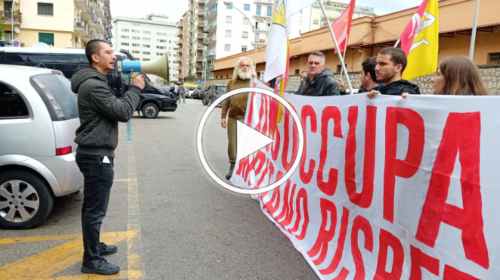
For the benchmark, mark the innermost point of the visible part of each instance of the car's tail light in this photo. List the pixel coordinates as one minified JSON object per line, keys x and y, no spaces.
{"x":215,"y":93}
{"x":55,"y":72}
{"x":63,"y":151}
{"x":51,"y":99}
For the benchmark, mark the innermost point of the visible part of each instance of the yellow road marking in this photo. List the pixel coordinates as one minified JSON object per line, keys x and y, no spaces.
{"x":125,"y":180}
{"x":5,"y":241}
{"x":60,"y":258}
{"x":128,"y":274}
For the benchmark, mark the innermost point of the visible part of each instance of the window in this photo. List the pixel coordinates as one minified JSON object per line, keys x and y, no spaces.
{"x":125,"y":37}
{"x":146,"y":46}
{"x":145,"y":59}
{"x":230,"y":6}
{"x":126,"y":30}
{"x":229,"y":19}
{"x":228,"y":33}
{"x":161,"y":34}
{"x":136,"y":45}
{"x":146,"y":39}
{"x":245,"y":34}
{"x":52,"y":90}
{"x":316,"y":21}
{"x":146,"y":52}
{"x":246,"y":7}
{"x":125,"y":44}
{"x":161,"y":40}
{"x":161,"y":47}
{"x":146,"y":32}
{"x":259,"y":7}
{"x":46,"y":9}
{"x":136,"y":31}
{"x":494,"y":58}
{"x":297,"y":71}
{"x":136,"y":38}
{"x":11,"y":103}
{"x":136,"y":24}
{"x":47,"y":38}
{"x":269,"y":11}
{"x":244,"y":48}
{"x":159,"y":54}
{"x":245,"y":21}
{"x":227,"y":47}
{"x":136,"y":52}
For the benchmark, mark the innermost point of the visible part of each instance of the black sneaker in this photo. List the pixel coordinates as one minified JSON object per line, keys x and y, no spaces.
{"x":105,"y":250}
{"x":99,"y":266}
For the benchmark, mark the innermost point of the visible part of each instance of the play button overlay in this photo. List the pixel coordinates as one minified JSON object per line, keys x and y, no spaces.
{"x":249,"y":141}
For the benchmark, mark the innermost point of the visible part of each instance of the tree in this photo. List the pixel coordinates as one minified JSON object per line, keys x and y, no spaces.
{"x":2,"y":27}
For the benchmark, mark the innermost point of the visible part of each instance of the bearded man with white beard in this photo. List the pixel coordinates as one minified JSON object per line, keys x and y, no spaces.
{"x":234,"y":107}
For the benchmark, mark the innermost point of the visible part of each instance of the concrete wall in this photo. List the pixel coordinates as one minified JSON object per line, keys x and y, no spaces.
{"x":62,"y":20}
{"x":490,"y":74}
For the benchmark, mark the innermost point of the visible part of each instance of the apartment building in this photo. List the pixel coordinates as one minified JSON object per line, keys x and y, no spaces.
{"x":183,"y":49}
{"x":57,"y":23}
{"x":148,"y":39}
{"x":312,"y":18}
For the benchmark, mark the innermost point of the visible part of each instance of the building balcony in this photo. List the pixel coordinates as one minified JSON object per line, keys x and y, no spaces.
{"x":264,"y":2}
{"x":82,"y":4}
{"x":179,"y":43}
{"x":200,"y":48}
{"x":201,"y":23}
{"x":99,"y":10}
{"x":7,"y":17}
{"x":199,"y":59}
{"x":199,"y":70}
{"x":200,"y":12}
{"x":210,"y":67}
{"x":210,"y":15}
{"x":262,"y":29}
{"x":262,"y":16}
{"x":99,"y":26}
{"x":209,"y":28}
{"x":206,"y":42}
{"x":210,"y":53}
{"x":81,"y":28}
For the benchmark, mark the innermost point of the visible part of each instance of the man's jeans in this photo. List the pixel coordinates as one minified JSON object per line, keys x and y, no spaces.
{"x":98,"y":178}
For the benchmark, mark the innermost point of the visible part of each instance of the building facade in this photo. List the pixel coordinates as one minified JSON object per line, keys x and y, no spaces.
{"x":148,"y":39}
{"x":312,"y":18}
{"x":57,"y":23}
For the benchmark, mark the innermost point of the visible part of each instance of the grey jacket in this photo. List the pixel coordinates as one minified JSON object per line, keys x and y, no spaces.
{"x":322,"y":85}
{"x":100,"y":111}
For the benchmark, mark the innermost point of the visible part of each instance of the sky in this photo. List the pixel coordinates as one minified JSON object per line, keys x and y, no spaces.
{"x":176,"y":8}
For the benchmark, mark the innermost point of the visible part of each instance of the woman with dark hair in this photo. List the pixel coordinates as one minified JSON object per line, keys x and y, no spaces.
{"x":457,"y":75}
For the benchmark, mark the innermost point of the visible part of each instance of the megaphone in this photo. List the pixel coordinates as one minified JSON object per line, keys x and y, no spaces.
{"x":158,"y":67}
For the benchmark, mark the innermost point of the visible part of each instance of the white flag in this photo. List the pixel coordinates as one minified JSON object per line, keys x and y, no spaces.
{"x":277,"y":45}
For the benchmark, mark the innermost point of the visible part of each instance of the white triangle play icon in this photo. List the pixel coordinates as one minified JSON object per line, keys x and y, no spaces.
{"x":249,"y":140}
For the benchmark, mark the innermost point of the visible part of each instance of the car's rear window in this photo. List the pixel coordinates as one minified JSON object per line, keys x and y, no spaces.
{"x":223,"y":89}
{"x":55,"y":91}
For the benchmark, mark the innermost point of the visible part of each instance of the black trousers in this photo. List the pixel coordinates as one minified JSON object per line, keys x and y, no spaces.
{"x":98,"y":178}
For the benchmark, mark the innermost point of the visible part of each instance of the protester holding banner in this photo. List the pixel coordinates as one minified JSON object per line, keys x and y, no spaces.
{"x":235,"y":106}
{"x":391,"y":63}
{"x":458,"y":76}
{"x":319,"y":80}
{"x":367,"y":78}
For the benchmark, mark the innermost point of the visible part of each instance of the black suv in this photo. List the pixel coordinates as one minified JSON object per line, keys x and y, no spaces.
{"x":154,"y":98}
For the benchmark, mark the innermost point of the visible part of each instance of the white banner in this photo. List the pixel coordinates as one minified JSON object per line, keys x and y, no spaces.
{"x":387,"y":188}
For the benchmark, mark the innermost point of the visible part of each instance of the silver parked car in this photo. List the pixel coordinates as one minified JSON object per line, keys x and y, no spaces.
{"x":38,"y":120}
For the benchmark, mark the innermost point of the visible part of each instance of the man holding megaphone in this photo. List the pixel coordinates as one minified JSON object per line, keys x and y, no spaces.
{"x":97,"y":138}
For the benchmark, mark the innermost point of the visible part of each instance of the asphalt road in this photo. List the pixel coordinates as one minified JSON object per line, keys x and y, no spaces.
{"x":170,"y":219}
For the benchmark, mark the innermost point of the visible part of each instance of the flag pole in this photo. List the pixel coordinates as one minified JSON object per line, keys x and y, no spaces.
{"x":336,"y":43}
{"x":474,"y":30}
{"x":397,"y":43}
{"x":345,"y":50}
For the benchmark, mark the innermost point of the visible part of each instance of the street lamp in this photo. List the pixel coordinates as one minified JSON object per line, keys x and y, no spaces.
{"x":253,"y":30}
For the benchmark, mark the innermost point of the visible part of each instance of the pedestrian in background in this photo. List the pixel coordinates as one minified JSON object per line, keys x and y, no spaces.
{"x":97,"y":138}
{"x":182,"y":93}
{"x":234,"y":107}
{"x":368,"y":78}
{"x":319,"y":80}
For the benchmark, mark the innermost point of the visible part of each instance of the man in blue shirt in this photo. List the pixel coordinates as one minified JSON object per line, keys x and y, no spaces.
{"x":368,"y":77}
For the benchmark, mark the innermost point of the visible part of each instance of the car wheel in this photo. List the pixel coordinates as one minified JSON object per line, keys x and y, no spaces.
{"x":25,"y":200}
{"x":150,"y":111}
{"x":203,"y":101}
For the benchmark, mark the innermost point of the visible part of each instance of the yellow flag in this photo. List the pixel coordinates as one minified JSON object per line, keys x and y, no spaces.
{"x":423,"y":50}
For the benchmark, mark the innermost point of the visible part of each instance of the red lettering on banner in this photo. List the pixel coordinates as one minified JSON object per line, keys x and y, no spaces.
{"x":461,"y":133}
{"x":275,"y":198}
{"x":360,"y":223}
{"x":451,"y":273}
{"x":277,"y":143}
{"x":420,"y":259}
{"x":287,"y":210}
{"x":250,"y":110}
{"x":302,"y":195}
{"x":329,"y":112}
{"x":263,"y":176}
{"x":363,"y":199}
{"x":325,"y":235}
{"x":387,"y":239}
{"x":288,"y":164}
{"x":243,"y":167}
{"x":401,"y":168}
{"x":307,"y":111}
{"x":340,"y":245}
{"x":342,"y":275}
